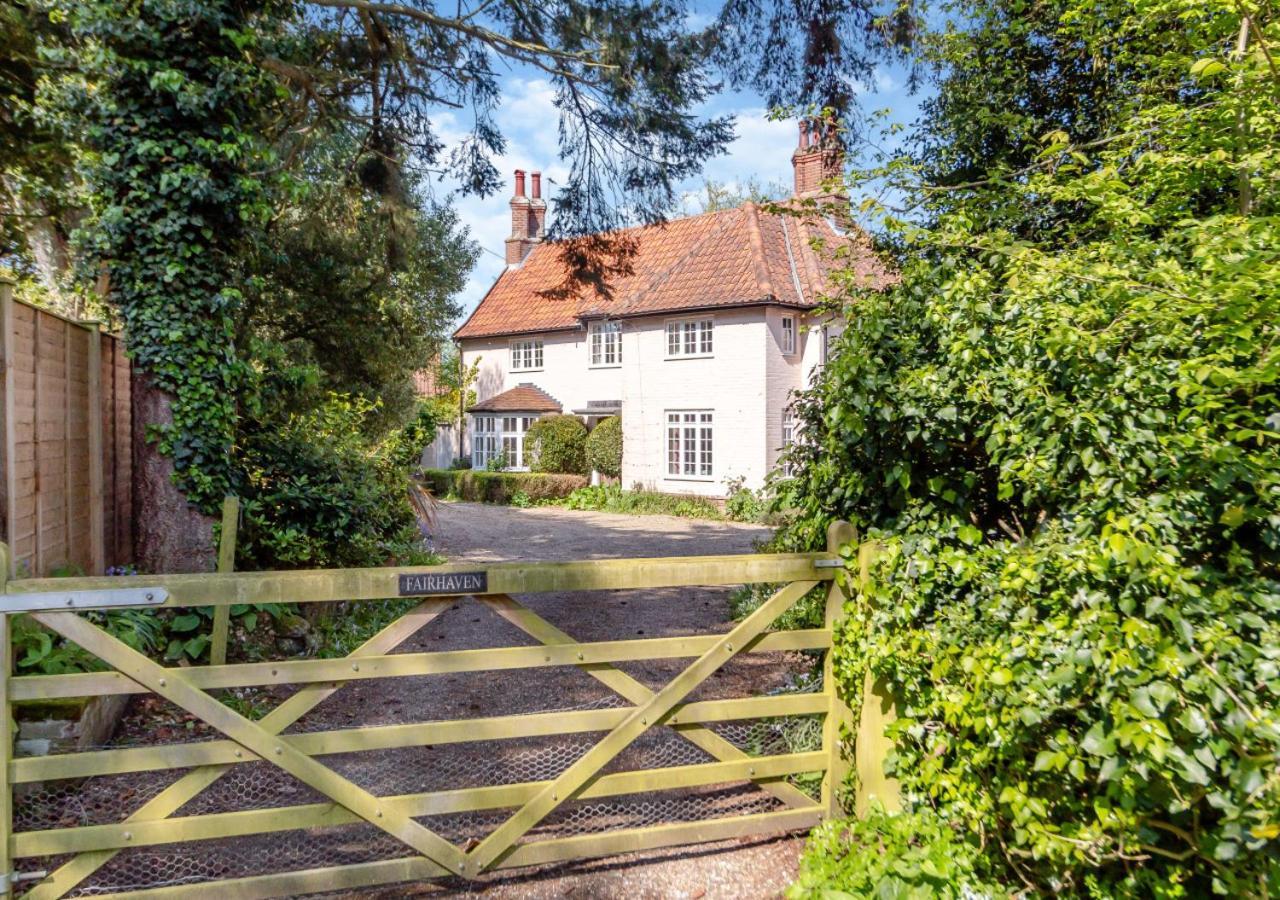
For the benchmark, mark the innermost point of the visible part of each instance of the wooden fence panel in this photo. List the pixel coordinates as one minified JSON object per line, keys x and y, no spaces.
{"x":67,"y":456}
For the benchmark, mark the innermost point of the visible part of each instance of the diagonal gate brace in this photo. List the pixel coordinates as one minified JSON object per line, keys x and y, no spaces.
{"x":178,"y":794}
{"x":572,"y":779}
{"x":635,"y":692}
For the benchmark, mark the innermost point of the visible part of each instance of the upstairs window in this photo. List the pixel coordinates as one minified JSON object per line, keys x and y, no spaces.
{"x":788,"y":335}
{"x":689,"y":337}
{"x":606,"y":343}
{"x":690,"y":443}
{"x":526,"y":355}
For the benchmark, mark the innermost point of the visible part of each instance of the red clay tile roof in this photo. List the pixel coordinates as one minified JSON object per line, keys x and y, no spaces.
{"x":733,"y":257}
{"x":521,"y":398}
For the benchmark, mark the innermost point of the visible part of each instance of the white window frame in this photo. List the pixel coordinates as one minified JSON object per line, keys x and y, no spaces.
{"x":484,"y":440}
{"x":690,"y":444}
{"x":496,"y":433}
{"x":788,"y":440}
{"x":787,"y":335}
{"x":527,"y":355}
{"x":690,"y":338}
{"x":604,"y":344}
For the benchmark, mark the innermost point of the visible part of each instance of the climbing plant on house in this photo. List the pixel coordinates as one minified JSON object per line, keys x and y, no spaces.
{"x":1063,"y":425}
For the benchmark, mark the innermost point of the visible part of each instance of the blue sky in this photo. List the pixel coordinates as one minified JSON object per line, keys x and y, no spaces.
{"x":761,"y":151}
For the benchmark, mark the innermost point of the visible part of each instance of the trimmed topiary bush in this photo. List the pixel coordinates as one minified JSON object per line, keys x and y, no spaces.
{"x":604,"y":447}
{"x":557,"y":444}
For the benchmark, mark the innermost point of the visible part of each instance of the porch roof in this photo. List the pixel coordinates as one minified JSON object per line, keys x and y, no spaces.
{"x":524,"y":397}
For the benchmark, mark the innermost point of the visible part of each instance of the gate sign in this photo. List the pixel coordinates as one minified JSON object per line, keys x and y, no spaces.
{"x":429,"y":583}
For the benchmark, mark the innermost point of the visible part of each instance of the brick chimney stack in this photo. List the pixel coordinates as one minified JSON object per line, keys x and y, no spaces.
{"x":817,"y":159}
{"x":537,"y":208}
{"x":527,"y":217}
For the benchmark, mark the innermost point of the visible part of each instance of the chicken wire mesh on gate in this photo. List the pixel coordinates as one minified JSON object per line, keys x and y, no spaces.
{"x":399,"y":771}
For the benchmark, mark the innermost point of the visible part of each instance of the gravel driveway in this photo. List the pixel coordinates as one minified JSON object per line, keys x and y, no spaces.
{"x":747,"y":868}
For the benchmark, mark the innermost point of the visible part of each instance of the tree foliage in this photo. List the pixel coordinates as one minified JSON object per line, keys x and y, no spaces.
{"x":1063,"y":424}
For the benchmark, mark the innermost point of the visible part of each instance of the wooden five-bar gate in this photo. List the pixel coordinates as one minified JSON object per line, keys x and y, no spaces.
{"x":253,"y":842}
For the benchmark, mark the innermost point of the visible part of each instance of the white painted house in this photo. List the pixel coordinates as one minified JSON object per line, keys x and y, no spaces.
{"x":699,"y":349}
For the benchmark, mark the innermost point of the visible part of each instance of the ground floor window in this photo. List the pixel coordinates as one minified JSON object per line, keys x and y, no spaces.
{"x":788,"y":438}
{"x":690,"y":443}
{"x":499,"y":439}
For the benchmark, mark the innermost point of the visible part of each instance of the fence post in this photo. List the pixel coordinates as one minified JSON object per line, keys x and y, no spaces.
{"x":96,"y":421}
{"x":871,"y":745}
{"x":226,"y":563}
{"x":6,"y":737}
{"x":839,"y":720}
{"x":10,"y":439}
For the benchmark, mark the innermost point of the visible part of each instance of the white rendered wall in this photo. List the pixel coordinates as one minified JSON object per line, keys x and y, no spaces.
{"x":730,"y":383}
{"x":746,"y":384}
{"x":566,"y":373}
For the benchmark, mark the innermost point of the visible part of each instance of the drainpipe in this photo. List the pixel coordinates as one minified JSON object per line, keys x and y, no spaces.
{"x":462,"y":395}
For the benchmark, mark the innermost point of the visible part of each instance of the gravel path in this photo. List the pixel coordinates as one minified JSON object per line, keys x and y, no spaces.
{"x":748,"y":868}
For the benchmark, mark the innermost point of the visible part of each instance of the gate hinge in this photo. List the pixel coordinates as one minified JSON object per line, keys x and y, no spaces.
{"x":828,"y":563}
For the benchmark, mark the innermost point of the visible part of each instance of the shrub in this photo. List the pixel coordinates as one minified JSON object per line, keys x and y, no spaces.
{"x":460,"y":462}
{"x":604,"y":447}
{"x":320,"y":494}
{"x":517,"y":488}
{"x":744,"y":504}
{"x":906,"y":855}
{"x":557,"y":444}
{"x":403,"y":447}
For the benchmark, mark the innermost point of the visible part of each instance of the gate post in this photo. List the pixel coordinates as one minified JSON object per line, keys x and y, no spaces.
{"x":871,"y":745}
{"x":6,"y":735}
{"x":839,"y":719}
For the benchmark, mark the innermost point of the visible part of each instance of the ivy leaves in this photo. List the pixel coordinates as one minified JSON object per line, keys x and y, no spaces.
{"x":167,"y":100}
{"x":1062,"y":425}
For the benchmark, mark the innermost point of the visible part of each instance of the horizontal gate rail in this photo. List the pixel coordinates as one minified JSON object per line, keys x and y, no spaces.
{"x":389,"y":737}
{"x":325,"y":585}
{"x":317,"y":815}
{"x":447,"y":662}
{"x":521,"y":839}
{"x":390,"y":871}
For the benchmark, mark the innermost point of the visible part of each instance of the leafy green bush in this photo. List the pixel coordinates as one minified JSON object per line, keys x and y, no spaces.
{"x":604,"y":447}
{"x":744,"y":504}
{"x":403,"y":447}
{"x":501,"y":487}
{"x":1067,"y":440}
{"x":907,"y":855}
{"x":320,"y":494}
{"x":611,"y":498}
{"x":557,"y":444}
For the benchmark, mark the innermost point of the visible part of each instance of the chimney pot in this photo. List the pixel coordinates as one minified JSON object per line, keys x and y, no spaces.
{"x":537,"y":184}
{"x":519,"y":182}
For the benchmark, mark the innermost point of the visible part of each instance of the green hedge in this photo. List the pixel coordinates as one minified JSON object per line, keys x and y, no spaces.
{"x":557,"y":444}
{"x":501,"y":487}
{"x":604,"y":447}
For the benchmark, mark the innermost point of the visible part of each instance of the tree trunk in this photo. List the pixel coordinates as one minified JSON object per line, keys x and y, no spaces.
{"x":170,"y":535}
